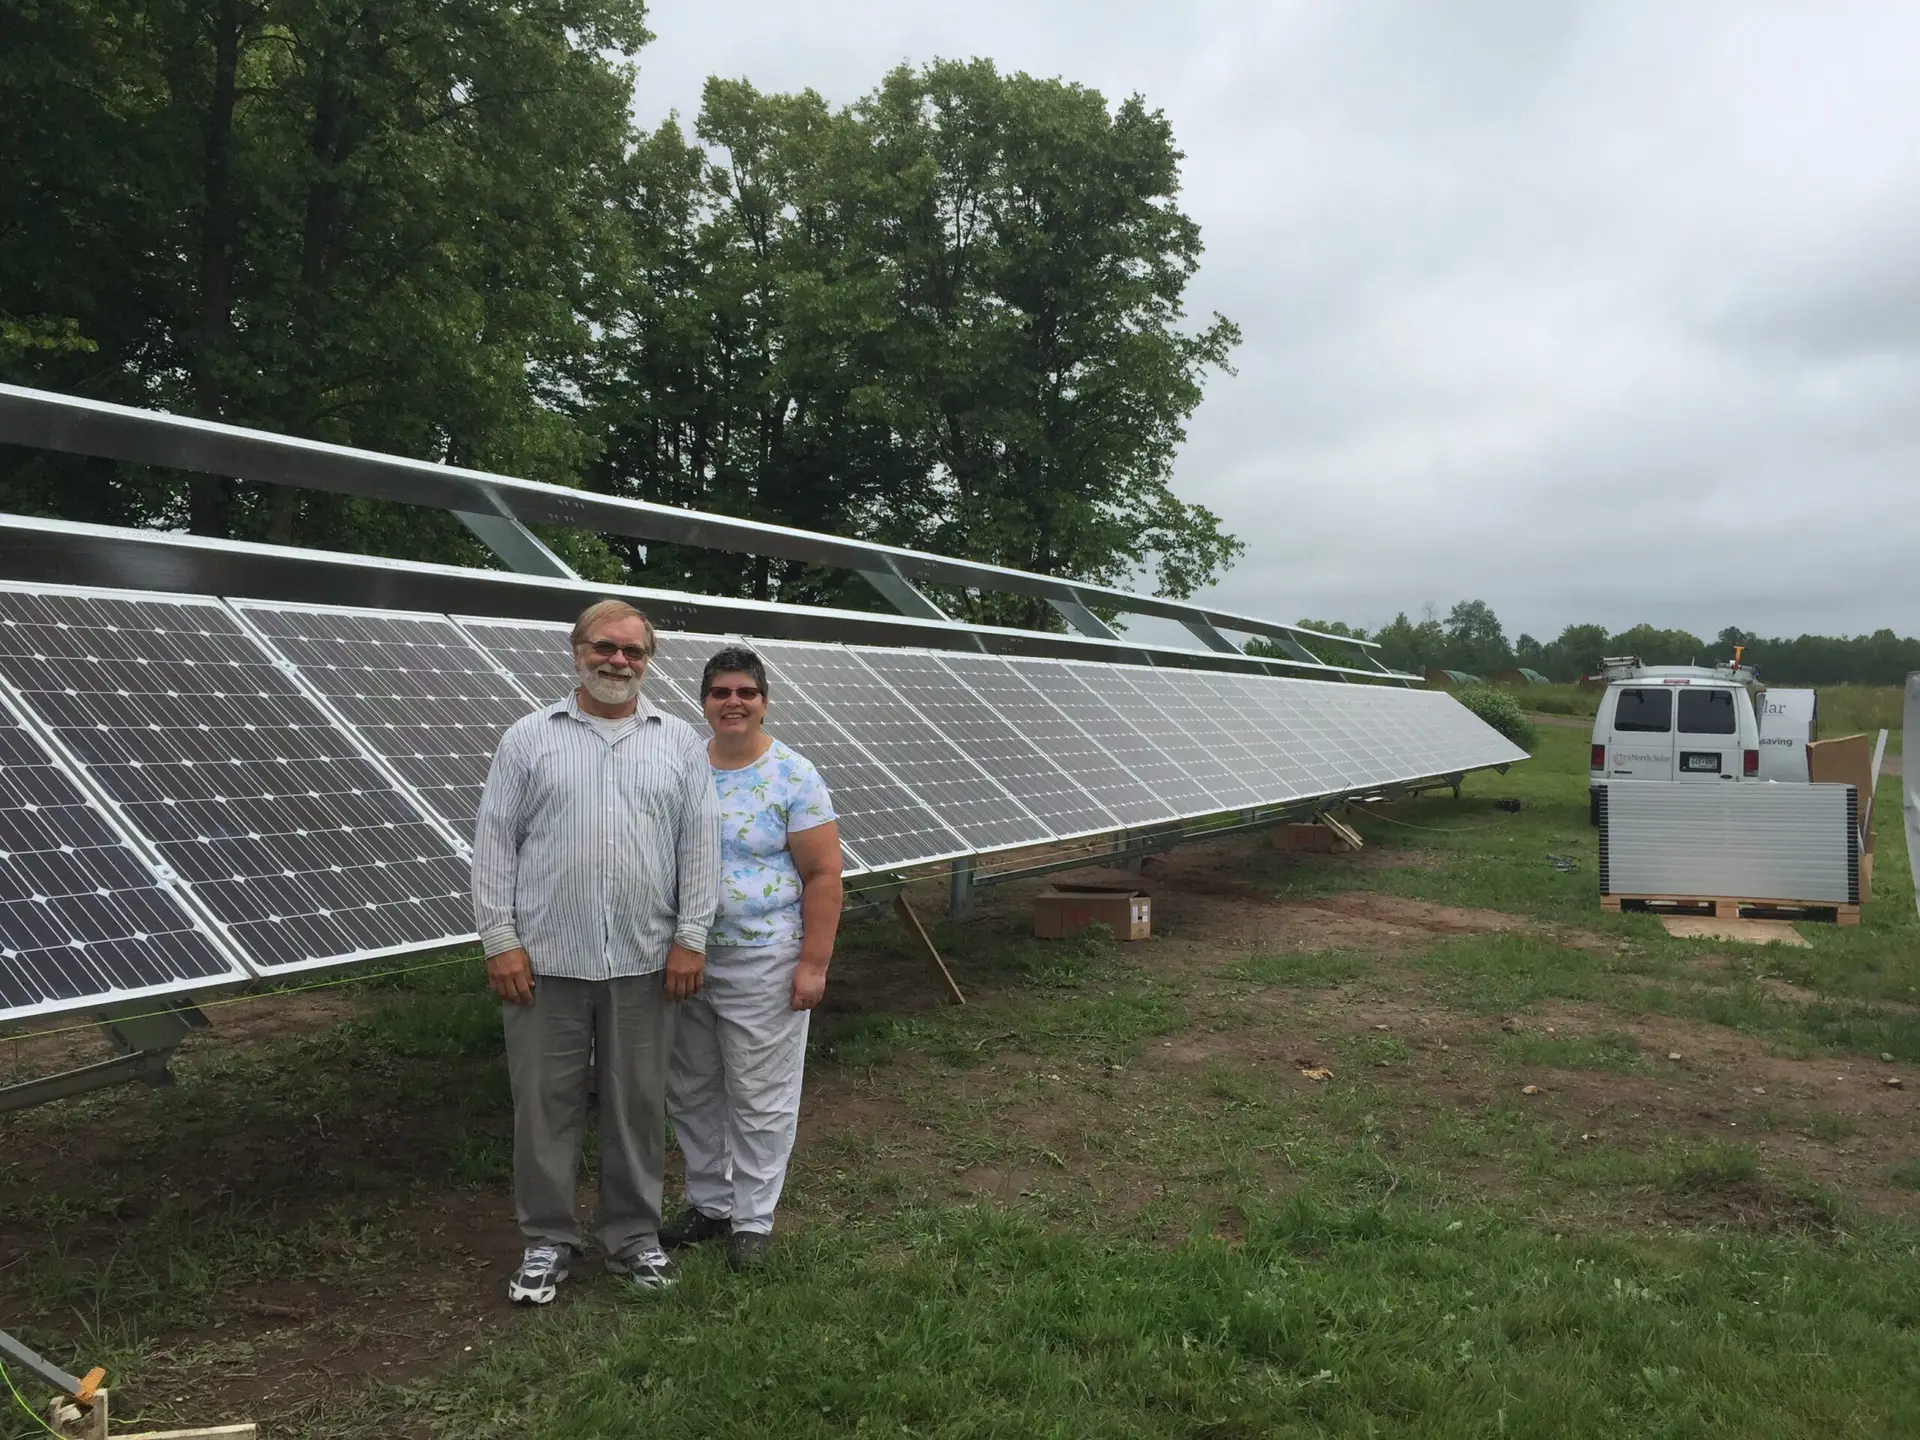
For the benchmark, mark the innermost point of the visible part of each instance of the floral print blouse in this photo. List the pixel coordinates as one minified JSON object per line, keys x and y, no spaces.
{"x":760,"y":805}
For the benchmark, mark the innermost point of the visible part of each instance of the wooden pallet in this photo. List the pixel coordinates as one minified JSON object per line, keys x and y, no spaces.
{"x":1727,"y":907}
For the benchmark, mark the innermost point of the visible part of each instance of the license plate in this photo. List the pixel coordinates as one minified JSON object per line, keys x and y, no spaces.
{"x":1700,"y":762}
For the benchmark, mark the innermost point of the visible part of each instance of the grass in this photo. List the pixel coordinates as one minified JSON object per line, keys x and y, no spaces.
{"x":1098,"y":1201}
{"x":1319,"y":1320}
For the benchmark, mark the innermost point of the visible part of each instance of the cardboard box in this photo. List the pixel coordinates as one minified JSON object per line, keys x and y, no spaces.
{"x":1847,"y":760}
{"x":1063,"y":910}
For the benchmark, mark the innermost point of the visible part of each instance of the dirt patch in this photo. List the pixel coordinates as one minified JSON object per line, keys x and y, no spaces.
{"x":1744,"y":1205}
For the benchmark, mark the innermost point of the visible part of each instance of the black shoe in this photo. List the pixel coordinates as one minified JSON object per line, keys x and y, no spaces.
{"x":746,"y":1250}
{"x":694,"y":1227}
{"x":542,"y":1269}
{"x":651,"y":1268}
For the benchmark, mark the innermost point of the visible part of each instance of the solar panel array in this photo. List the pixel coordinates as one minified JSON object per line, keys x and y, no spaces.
{"x":195,"y":791}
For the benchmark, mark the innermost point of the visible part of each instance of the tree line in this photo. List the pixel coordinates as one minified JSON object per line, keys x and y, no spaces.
{"x":948,"y":315}
{"x":1470,"y":638}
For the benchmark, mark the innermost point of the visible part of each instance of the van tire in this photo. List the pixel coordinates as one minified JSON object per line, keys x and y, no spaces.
{"x":1593,"y":807}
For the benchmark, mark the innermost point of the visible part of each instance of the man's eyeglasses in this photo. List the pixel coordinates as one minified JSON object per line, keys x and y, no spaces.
{"x":606,"y":650}
{"x":727,"y":692}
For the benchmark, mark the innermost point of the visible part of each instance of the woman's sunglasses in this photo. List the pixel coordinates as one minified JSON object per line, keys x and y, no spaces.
{"x":727,"y":692}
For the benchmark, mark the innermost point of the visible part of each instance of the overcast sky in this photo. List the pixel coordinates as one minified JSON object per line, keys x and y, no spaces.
{"x":1596,"y":312}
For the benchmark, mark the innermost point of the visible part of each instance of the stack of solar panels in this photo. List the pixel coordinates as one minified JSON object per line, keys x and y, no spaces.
{"x":196,"y":791}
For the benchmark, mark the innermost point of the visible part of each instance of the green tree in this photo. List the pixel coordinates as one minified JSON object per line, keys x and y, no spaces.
{"x":1405,"y":645}
{"x":383,"y":223}
{"x":1576,"y":652}
{"x":1660,"y":647}
{"x":1476,"y":641}
{"x":948,"y":316}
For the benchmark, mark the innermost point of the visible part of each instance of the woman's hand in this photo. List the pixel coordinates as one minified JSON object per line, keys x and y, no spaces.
{"x":809,"y":984}
{"x":685,"y":971}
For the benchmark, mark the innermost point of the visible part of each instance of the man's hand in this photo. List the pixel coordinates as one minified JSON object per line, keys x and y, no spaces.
{"x":510,"y":976}
{"x":809,"y":984}
{"x":685,"y":971}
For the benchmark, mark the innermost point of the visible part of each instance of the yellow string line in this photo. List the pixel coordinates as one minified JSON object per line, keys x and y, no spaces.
{"x":32,"y":1413}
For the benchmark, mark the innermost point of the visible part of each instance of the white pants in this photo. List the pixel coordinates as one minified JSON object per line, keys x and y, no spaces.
{"x":733,"y":1082}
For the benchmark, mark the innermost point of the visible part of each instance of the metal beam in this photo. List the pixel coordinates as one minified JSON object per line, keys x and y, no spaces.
{"x":145,"y":1038}
{"x":525,"y":552}
{"x":1082,"y":619}
{"x":57,"y":552}
{"x":1210,"y":635}
{"x":147,"y":437}
{"x":899,"y":592}
{"x":47,"y":1371}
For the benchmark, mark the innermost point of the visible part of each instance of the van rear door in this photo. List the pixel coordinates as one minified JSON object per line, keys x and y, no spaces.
{"x":1707,"y":746}
{"x":1642,"y":747}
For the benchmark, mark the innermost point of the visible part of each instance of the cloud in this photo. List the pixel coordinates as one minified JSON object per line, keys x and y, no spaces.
{"x":1601,"y":311}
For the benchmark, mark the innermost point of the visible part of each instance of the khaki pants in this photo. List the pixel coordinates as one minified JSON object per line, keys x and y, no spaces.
{"x":624,"y":1029}
{"x":733,"y":1088}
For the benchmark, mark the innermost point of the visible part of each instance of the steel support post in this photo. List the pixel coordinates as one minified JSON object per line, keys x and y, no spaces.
{"x":1210,"y":636}
{"x":1083,"y":619}
{"x":145,"y":1038}
{"x":960,"y":889}
{"x":523,"y":551}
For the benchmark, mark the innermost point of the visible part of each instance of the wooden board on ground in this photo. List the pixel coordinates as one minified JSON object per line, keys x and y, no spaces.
{"x":1730,"y":906}
{"x":1750,"y":932}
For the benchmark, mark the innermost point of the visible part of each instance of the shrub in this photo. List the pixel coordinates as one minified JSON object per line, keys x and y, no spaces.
{"x":1554,"y":705}
{"x":1500,"y":710}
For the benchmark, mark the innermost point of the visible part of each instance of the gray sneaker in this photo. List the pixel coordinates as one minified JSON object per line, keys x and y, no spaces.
{"x":542,"y":1269}
{"x":746,"y":1250}
{"x":649,"y":1267}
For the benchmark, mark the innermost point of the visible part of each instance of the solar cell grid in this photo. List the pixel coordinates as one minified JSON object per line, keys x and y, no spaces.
{"x":1285,"y":778}
{"x":302,"y":849}
{"x":82,"y":919}
{"x":1189,"y":732}
{"x":966,"y":718}
{"x":1028,"y":709}
{"x":1080,"y":692}
{"x":957,"y":791}
{"x":1300,"y":732}
{"x":416,"y":691}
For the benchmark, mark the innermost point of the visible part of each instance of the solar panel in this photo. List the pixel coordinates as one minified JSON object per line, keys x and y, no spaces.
{"x":965,"y":717}
{"x":883,"y":825}
{"x":1079,"y":692}
{"x":537,"y":654}
{"x":414,"y":689}
{"x":1028,"y":709}
{"x":1227,"y":697}
{"x":301,"y":848}
{"x":83,"y":919}
{"x":954,"y":789}
{"x":1188,"y":731}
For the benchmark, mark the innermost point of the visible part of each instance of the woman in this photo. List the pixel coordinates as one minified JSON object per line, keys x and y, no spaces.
{"x":733,"y":1084}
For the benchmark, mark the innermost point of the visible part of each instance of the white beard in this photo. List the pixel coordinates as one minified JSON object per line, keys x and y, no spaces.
{"x":607,"y":687}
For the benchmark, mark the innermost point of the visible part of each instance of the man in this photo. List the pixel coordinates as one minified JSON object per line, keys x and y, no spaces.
{"x":595,"y":872}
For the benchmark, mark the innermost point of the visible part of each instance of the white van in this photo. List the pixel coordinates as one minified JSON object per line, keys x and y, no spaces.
{"x":1674,"y":723}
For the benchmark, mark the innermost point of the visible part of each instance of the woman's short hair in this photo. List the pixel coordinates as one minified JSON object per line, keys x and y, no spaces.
{"x":735,"y":659}
{"x":604,"y":610}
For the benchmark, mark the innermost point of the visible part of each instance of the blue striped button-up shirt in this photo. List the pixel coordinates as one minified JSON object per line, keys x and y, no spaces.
{"x":594,"y":850}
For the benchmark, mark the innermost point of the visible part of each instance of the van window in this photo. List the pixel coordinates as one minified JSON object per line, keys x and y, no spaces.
{"x":1649,"y":711}
{"x":1706,"y":712}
